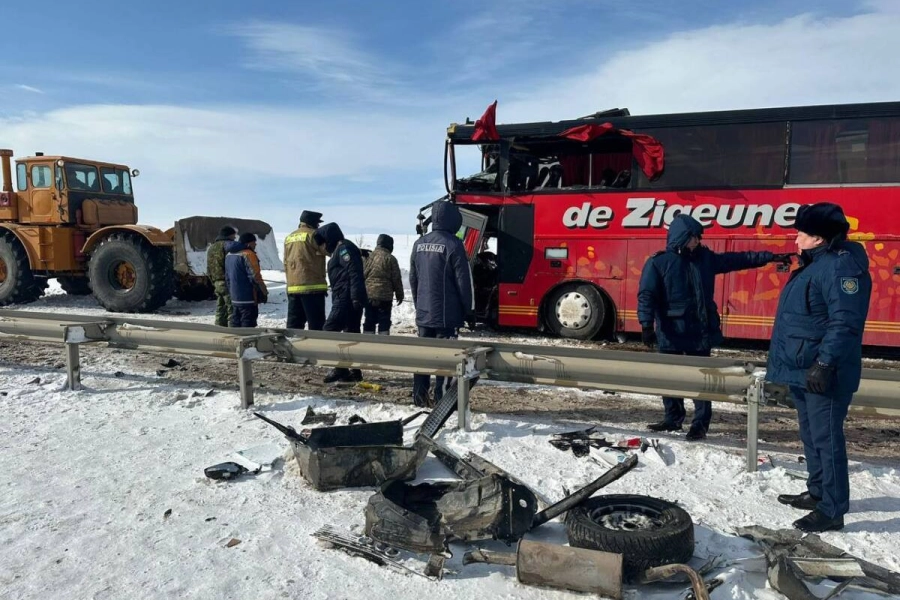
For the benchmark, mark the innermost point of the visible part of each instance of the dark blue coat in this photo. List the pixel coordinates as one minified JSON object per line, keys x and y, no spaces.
{"x":439,"y":272}
{"x":242,"y":275}
{"x":677,"y":287}
{"x":345,"y":267}
{"x":821,"y":314}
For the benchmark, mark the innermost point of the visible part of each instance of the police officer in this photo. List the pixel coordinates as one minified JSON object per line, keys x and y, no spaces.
{"x":304,"y":267}
{"x":383,"y":284}
{"x":442,"y":290}
{"x":816,"y":349}
{"x":676,"y":307}
{"x":348,"y":290}
{"x":215,"y":270}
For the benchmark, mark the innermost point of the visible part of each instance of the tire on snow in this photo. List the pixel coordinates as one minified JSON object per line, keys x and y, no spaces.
{"x":19,"y":284}
{"x":573,"y":294}
{"x":152,"y":271}
{"x":647,"y":532}
{"x":75,"y":286}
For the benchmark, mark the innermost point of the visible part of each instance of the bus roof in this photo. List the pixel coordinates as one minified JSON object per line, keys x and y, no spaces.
{"x":622,"y":120}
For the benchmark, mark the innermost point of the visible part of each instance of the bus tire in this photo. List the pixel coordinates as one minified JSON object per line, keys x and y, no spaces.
{"x":18,"y":283}
{"x":576,"y":311}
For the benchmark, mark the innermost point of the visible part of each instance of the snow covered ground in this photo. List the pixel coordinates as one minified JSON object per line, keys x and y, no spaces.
{"x":89,"y":479}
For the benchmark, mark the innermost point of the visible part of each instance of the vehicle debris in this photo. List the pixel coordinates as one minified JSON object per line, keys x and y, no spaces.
{"x":792,"y":556}
{"x":227,"y":471}
{"x":362,"y":455}
{"x":312,"y":417}
{"x":563,"y":567}
{"x":698,"y":587}
{"x":376,"y":552}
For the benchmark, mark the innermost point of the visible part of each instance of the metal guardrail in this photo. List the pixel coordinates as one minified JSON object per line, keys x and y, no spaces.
{"x":714,"y":379}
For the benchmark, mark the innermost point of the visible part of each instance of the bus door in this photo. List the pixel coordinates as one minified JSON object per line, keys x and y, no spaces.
{"x":472,"y":232}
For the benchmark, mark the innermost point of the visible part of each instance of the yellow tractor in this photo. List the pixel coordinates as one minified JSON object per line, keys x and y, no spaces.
{"x":76,"y":220}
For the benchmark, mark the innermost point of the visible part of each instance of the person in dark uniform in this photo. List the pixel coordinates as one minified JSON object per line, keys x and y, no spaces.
{"x":304,"y":269}
{"x":676,"y":308}
{"x":442,"y":290}
{"x":348,"y":290}
{"x":816,"y":349}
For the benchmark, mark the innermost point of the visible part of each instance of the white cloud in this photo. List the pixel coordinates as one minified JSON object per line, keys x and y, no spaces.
{"x":29,"y":88}
{"x":801,"y":60}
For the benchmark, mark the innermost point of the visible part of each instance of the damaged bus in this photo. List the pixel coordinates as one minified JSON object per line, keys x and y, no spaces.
{"x":559,"y":217}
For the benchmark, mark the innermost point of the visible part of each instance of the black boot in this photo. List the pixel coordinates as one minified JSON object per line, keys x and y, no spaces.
{"x":663,"y":426}
{"x":817,"y":522}
{"x":356,"y":375}
{"x":804,"y":501}
{"x":338,"y":375}
{"x":695,"y":433}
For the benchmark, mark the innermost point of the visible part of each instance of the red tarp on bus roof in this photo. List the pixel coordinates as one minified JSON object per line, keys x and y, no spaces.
{"x":486,"y":126}
{"x":647,"y":150}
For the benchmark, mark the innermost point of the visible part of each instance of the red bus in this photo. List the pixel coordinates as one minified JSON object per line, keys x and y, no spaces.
{"x":574,"y":208}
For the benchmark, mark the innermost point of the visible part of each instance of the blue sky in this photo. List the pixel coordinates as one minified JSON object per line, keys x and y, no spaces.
{"x":263,"y":109}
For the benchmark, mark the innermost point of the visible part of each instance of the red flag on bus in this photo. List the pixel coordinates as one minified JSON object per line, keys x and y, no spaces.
{"x":647,"y":150}
{"x":485,"y":127}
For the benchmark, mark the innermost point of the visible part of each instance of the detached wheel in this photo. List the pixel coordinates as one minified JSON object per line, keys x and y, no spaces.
{"x":647,"y":532}
{"x":75,"y":286}
{"x":576,"y":311}
{"x":129,"y":275}
{"x":18,"y":284}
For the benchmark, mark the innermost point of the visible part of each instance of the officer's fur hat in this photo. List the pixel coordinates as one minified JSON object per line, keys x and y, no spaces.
{"x":824,"y":219}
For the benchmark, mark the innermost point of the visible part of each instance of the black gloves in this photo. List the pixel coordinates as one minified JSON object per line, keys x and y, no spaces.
{"x":399,"y":301}
{"x":785,"y":258}
{"x":648,"y":336}
{"x":819,"y":378}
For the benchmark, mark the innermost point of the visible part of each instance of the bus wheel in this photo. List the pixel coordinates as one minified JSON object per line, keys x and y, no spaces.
{"x":576,"y":311}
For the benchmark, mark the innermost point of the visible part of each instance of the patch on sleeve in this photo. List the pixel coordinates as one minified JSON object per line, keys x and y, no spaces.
{"x":849,"y":285}
{"x":345,"y":256}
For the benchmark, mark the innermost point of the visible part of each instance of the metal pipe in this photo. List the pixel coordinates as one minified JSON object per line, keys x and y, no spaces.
{"x":5,"y":155}
{"x":755,"y":397}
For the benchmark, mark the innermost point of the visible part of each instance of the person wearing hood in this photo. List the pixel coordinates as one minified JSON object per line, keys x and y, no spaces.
{"x":304,"y":269}
{"x":441,"y":283}
{"x":383,"y":284}
{"x":244,"y":279}
{"x":677,"y":311}
{"x":348,"y":290}
{"x":215,"y":270}
{"x":816,"y":349}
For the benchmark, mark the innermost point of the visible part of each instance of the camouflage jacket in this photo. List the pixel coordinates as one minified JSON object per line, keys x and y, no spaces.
{"x":382,"y":273}
{"x":215,"y":261}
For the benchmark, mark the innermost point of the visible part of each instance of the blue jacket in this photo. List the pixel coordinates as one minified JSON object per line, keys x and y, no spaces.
{"x":821,"y":314}
{"x":345,"y":267}
{"x":677,"y":287}
{"x":242,"y":275}
{"x":439,"y":272}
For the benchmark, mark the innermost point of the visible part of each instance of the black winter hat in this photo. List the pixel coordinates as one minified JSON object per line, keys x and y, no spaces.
{"x":246,"y":238}
{"x":226,"y":232}
{"x":311,"y":218}
{"x":385,"y":241}
{"x":824,"y":219}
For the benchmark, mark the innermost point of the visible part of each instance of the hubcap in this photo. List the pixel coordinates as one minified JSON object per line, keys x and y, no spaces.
{"x":627,"y":518}
{"x":573,"y":310}
{"x":125,"y":276}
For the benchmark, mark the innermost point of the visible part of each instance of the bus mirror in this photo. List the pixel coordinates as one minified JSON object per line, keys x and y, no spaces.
{"x":135,"y":172}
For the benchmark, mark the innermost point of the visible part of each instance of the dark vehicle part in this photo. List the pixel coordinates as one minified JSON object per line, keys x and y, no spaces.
{"x":576,"y":311}
{"x":226,"y":471}
{"x":443,"y":410}
{"x":312,"y":416}
{"x":129,"y":275}
{"x":698,"y":587}
{"x":193,"y":288}
{"x":648,"y":532}
{"x":363,"y":455}
{"x":365,"y":547}
{"x":18,"y":283}
{"x":425,"y":517}
{"x":575,"y":500}
{"x":75,"y":286}
{"x":563,"y":567}
{"x":580,"y":442}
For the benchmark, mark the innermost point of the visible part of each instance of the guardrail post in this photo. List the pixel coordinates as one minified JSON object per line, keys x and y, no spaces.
{"x":245,"y":373}
{"x":755,"y":398}
{"x":462,"y":396}
{"x":73,"y":367}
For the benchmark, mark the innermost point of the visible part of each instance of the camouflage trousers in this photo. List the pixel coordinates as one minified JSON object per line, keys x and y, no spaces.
{"x":223,"y":304}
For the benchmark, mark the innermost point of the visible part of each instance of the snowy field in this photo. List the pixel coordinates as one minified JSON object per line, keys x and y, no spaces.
{"x":104,"y":497}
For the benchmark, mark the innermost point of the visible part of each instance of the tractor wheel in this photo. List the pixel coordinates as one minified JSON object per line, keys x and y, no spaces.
{"x":129,"y":275}
{"x":576,"y":311}
{"x":75,"y":286}
{"x":18,"y":284}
